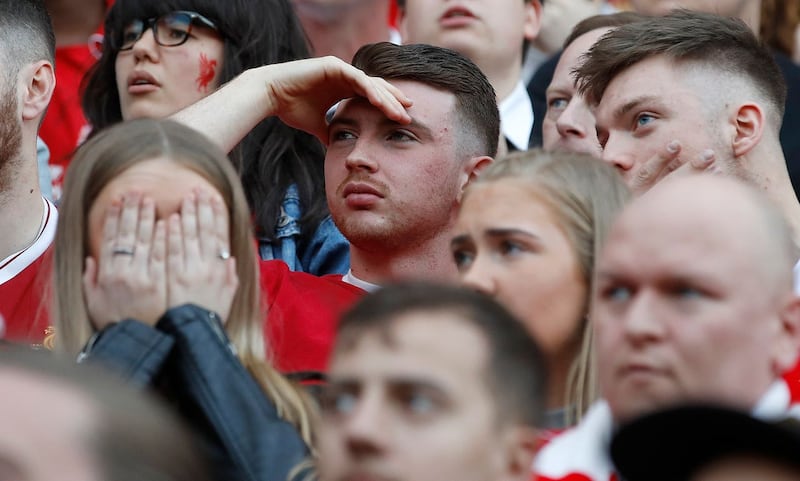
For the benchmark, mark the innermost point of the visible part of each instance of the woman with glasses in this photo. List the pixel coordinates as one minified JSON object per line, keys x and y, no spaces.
{"x":161,"y":56}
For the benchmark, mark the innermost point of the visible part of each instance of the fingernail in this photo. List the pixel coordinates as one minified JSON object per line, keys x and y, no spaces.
{"x":673,"y":146}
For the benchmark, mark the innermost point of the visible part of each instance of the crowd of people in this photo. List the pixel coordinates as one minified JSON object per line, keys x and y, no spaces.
{"x":490,"y":240}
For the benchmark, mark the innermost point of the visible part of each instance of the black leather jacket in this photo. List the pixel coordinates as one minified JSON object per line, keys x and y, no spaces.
{"x":187,"y":358}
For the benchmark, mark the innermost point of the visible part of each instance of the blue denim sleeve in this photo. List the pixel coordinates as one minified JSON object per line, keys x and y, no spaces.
{"x":328,"y":252}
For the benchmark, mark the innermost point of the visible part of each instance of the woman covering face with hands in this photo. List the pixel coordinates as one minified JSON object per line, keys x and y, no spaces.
{"x":156,"y":277}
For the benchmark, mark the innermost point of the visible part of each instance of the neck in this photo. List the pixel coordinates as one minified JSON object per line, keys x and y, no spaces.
{"x":557,"y":382}
{"x":772,"y":177}
{"x":504,"y":75}
{"x":430,"y":260}
{"x":20,"y":206}
{"x":342,"y":30}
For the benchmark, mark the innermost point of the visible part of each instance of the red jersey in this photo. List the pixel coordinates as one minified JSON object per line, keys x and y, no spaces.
{"x":582,"y":452}
{"x":302,"y":313}
{"x":23,"y":278}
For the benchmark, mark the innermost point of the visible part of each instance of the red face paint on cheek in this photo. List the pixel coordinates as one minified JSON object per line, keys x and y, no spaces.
{"x":208,"y":70}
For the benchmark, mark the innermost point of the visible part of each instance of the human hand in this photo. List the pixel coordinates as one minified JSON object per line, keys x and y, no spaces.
{"x":200,"y":269}
{"x":128,"y":280}
{"x":301,"y":92}
{"x":666,"y":162}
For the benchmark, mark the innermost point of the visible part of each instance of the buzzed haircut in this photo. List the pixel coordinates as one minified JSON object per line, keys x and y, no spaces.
{"x":476,"y":102}
{"x":26,"y":35}
{"x":602,"y":21}
{"x":515,"y":375}
{"x":707,"y":40}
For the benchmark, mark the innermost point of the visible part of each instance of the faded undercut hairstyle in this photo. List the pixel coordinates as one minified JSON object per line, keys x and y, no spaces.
{"x":585,"y":197}
{"x":515,"y":375}
{"x":26,"y":35}
{"x":705,"y":40}
{"x":99,"y":161}
{"x":477,"y":117}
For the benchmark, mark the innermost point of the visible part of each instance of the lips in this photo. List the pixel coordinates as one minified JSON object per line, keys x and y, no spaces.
{"x":361,"y":195}
{"x":360,"y":188}
{"x":140,"y":81}
{"x":456,"y":16}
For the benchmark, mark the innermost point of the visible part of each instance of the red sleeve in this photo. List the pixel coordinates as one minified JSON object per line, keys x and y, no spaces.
{"x":302,"y":314}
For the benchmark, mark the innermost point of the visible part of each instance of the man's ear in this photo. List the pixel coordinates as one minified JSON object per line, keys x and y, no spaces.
{"x":40,"y":82}
{"x":521,"y":445}
{"x":749,"y":123}
{"x":787,"y":350}
{"x":472,"y":168}
{"x":533,"y":19}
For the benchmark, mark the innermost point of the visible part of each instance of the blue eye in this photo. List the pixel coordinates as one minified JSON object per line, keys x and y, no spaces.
{"x":400,"y":135}
{"x":685,"y":292}
{"x":508,"y":247}
{"x":339,"y":135}
{"x":558,"y":104}
{"x":462,"y":258}
{"x":644,"y":119}
{"x":617,"y":293}
{"x":420,"y":404}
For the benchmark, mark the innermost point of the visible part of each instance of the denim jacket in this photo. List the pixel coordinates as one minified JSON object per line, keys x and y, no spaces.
{"x":187,"y":357}
{"x":328,"y":252}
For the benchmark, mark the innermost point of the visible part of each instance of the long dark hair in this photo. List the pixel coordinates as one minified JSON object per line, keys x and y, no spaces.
{"x":272,"y":156}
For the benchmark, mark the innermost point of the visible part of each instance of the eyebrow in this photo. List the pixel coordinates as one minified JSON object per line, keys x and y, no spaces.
{"x":632,"y":104}
{"x":511,"y":231}
{"x":385,"y":122}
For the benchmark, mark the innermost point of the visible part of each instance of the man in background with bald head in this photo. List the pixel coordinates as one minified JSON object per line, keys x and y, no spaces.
{"x":693,"y":303}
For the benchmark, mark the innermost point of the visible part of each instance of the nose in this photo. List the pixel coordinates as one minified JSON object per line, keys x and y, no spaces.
{"x":479,"y":277}
{"x":642,"y":321}
{"x":361,"y":157}
{"x":573,"y":120}
{"x":617,"y":155}
{"x":145,"y":46}
{"x":364,"y":428}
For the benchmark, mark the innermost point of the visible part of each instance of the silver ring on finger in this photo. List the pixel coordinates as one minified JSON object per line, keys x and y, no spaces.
{"x":123,"y":251}
{"x":224,"y":254}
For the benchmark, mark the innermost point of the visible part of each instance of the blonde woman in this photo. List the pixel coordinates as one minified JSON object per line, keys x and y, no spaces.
{"x":528,"y":233}
{"x":156,"y":276}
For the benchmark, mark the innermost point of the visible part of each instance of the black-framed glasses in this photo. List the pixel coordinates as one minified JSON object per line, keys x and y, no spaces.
{"x":169,"y":30}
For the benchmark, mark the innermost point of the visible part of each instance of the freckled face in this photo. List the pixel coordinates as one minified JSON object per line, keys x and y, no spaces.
{"x":156,"y":81}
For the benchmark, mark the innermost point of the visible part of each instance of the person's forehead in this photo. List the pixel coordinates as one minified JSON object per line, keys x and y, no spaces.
{"x":429,"y":103}
{"x":436,"y":347}
{"x":686,"y":228}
